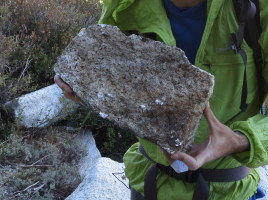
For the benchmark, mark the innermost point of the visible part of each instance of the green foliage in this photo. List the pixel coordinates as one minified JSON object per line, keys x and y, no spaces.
{"x":113,"y":142}
{"x":5,"y":123}
{"x":37,"y":165}
{"x":110,"y":140}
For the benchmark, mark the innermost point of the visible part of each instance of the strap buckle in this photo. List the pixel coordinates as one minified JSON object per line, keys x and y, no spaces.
{"x":234,"y":45}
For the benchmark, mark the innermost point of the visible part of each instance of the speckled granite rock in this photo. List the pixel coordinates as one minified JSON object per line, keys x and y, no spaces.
{"x":103,"y":178}
{"x":263,"y":171}
{"x":41,"y":108}
{"x":104,"y":181}
{"x":142,"y":85}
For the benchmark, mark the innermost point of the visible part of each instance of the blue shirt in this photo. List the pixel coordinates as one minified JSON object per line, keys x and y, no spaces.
{"x":187,"y":25}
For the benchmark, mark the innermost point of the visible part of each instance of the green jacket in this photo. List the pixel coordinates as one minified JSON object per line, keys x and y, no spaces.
{"x":149,"y":16}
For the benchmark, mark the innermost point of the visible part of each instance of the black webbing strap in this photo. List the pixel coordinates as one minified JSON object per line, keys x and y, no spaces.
{"x":201,"y":191}
{"x":150,"y":178}
{"x":201,"y":177}
{"x":150,"y":192}
{"x":252,"y":35}
{"x":247,"y":11}
{"x":249,"y":28}
{"x":243,"y":104}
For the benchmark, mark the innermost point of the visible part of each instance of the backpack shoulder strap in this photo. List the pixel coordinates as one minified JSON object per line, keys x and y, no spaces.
{"x":248,"y":11}
{"x":248,"y":14}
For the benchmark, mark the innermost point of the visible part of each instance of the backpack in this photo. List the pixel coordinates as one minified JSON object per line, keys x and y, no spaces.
{"x":247,"y":13}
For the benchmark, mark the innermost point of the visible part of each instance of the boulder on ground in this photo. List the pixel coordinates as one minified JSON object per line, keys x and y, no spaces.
{"x":41,"y":108}
{"x":263,"y":171}
{"x":104,"y":181}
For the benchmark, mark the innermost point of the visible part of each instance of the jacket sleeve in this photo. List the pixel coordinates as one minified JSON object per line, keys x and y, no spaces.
{"x":108,"y":9}
{"x":256,"y":127}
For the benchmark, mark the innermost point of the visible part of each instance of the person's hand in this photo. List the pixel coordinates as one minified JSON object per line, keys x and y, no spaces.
{"x":67,"y":90}
{"x":222,"y":141}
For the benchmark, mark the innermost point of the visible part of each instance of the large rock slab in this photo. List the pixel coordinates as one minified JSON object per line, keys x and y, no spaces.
{"x":93,"y":154}
{"x":142,"y":85}
{"x":41,"y":108}
{"x":103,"y":178}
{"x":263,"y":171}
{"x":104,"y":181}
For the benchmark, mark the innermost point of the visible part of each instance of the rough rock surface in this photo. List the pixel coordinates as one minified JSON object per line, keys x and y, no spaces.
{"x":264,"y":180}
{"x":103,"y":182}
{"x":41,"y":108}
{"x":142,"y":85}
{"x":93,"y":154}
{"x":104,"y":178}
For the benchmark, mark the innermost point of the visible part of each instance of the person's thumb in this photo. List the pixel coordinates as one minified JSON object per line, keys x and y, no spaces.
{"x":190,"y":161}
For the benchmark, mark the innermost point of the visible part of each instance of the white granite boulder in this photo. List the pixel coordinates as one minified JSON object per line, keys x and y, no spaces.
{"x":93,"y":154}
{"x":104,"y":178}
{"x":104,"y":181}
{"x":264,"y":180}
{"x":41,"y":108}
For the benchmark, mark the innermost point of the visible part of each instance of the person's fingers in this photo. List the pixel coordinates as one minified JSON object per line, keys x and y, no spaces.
{"x":57,"y":79}
{"x":210,"y":117}
{"x":190,"y":161}
{"x":64,"y":86}
{"x":72,"y":96}
{"x":67,"y":90}
{"x":196,"y":148}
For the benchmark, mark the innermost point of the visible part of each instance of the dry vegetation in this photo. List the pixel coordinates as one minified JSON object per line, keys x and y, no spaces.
{"x":32,"y":35}
{"x":39,"y":164}
{"x":36,"y":164}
